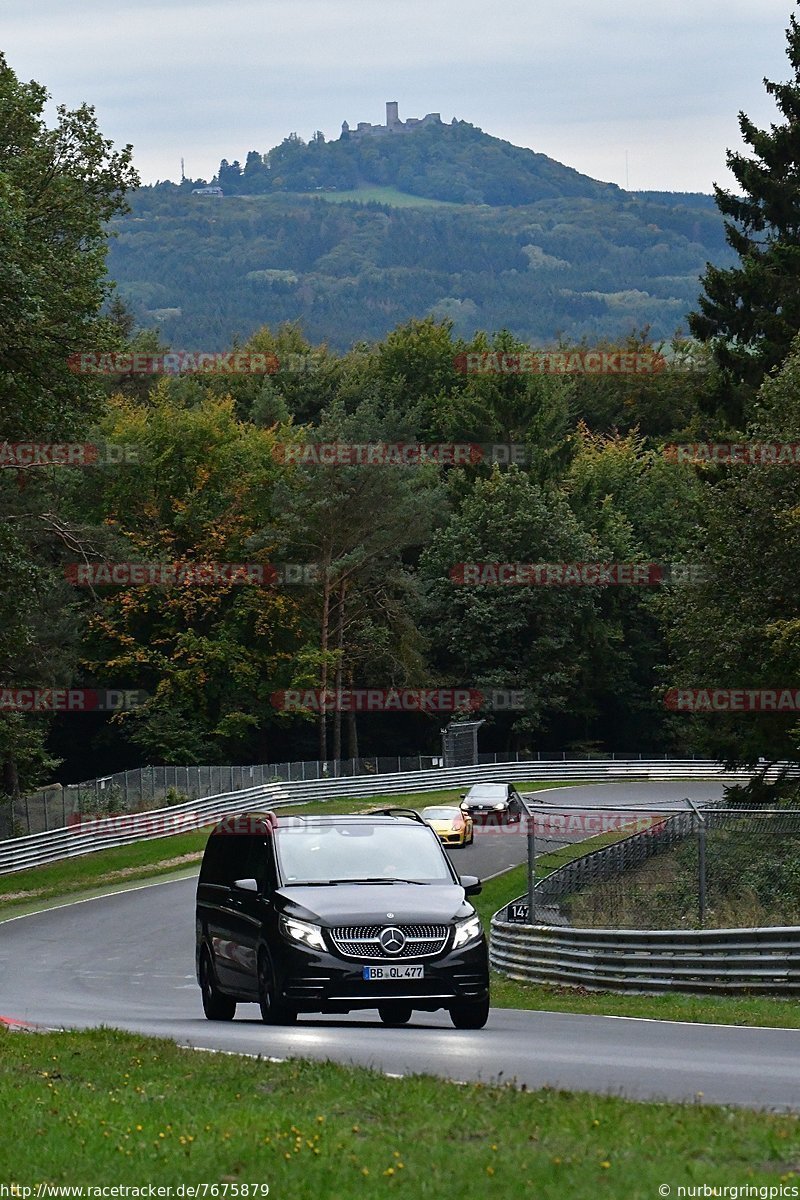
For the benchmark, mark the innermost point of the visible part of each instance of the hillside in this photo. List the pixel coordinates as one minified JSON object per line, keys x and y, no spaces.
{"x":573,"y":256}
{"x":457,"y":162}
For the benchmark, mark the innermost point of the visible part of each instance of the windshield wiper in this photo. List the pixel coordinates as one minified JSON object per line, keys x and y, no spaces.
{"x":370,"y":879}
{"x":382,"y":879}
{"x":420,"y":882}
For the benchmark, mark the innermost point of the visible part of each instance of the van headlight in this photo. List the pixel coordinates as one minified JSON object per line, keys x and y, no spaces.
{"x":467,"y":931}
{"x":303,"y":932}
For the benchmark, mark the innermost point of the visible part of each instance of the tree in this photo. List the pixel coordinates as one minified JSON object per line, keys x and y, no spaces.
{"x":638,"y":507}
{"x":229,"y":176}
{"x":58,"y":189}
{"x":256,"y":173}
{"x":209,"y":654}
{"x":751,"y":311}
{"x":534,"y":639}
{"x":357,"y":523}
{"x":740,"y":627}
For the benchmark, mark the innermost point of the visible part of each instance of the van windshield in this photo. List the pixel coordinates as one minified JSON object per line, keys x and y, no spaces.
{"x":356,"y":853}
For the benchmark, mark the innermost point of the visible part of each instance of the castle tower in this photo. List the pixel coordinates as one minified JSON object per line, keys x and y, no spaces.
{"x":392,"y":119}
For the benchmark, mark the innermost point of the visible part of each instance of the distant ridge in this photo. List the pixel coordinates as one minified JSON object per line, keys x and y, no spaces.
{"x":456,"y":162}
{"x":687,"y":199}
{"x":441,"y":220}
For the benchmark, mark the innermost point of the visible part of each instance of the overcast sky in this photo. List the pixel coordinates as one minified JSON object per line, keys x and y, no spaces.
{"x":656,"y":82}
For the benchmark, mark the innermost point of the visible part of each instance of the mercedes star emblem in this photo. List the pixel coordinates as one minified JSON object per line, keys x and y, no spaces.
{"x":392,"y":940}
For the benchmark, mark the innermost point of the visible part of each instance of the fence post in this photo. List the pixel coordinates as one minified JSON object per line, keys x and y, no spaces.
{"x":701,"y":863}
{"x":701,"y":866}
{"x":531,"y":838}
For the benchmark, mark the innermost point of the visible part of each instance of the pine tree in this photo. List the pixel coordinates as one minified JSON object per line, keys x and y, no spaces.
{"x":751,"y":312}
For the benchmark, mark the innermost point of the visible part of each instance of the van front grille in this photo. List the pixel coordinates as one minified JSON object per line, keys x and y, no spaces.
{"x":364,"y":941}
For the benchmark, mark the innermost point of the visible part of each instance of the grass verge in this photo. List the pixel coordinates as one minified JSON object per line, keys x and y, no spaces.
{"x":383,"y":195}
{"x":103,"y":1107}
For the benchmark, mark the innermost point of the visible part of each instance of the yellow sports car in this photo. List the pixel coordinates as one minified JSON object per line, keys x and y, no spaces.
{"x":453,"y":827}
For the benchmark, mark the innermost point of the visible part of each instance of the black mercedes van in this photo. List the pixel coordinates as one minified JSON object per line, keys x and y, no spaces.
{"x":334,"y":913}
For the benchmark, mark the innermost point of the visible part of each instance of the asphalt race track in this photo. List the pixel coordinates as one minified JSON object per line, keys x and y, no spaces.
{"x":127,"y":960}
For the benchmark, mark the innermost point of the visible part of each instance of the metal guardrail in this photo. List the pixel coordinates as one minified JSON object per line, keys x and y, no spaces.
{"x":52,"y":807}
{"x":650,"y":960}
{"x":711,"y":960}
{"x":97,"y":833}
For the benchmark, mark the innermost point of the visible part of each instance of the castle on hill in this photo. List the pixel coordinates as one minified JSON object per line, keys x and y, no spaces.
{"x":393,"y":124}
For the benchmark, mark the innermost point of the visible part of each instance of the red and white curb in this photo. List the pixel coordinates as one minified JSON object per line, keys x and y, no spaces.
{"x":15,"y":1026}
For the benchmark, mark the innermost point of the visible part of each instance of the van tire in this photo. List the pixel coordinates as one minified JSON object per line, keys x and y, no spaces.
{"x":470,"y":1014}
{"x":395,"y":1012}
{"x":272,"y":1013}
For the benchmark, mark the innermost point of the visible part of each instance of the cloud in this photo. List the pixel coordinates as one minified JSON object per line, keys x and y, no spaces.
{"x":577,"y":80}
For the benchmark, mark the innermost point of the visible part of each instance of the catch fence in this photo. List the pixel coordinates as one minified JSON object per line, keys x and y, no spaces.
{"x":703,"y":900}
{"x":148,"y":788}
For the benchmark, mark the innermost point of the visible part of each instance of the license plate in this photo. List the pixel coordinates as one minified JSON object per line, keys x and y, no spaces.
{"x":396,"y":971}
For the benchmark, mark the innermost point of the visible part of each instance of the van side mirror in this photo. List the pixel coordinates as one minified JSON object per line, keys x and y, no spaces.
{"x":471,"y":884}
{"x":246,"y":885}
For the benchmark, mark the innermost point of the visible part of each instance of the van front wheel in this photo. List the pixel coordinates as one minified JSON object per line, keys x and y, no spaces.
{"x":394,"y":1013}
{"x":470,"y":1014}
{"x":272,"y":1013}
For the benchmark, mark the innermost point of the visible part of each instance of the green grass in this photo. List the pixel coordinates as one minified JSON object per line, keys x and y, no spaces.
{"x":102,"y":1107}
{"x":769,"y":1012}
{"x":102,"y":869}
{"x":106,"y":870}
{"x":383,"y":195}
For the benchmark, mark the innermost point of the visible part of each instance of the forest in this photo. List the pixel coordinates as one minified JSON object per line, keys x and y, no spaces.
{"x":306,"y":516}
{"x":533,"y":246}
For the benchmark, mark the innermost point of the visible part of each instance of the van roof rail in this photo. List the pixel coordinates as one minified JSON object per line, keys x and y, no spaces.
{"x":396,"y":811}
{"x":246,"y":822}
